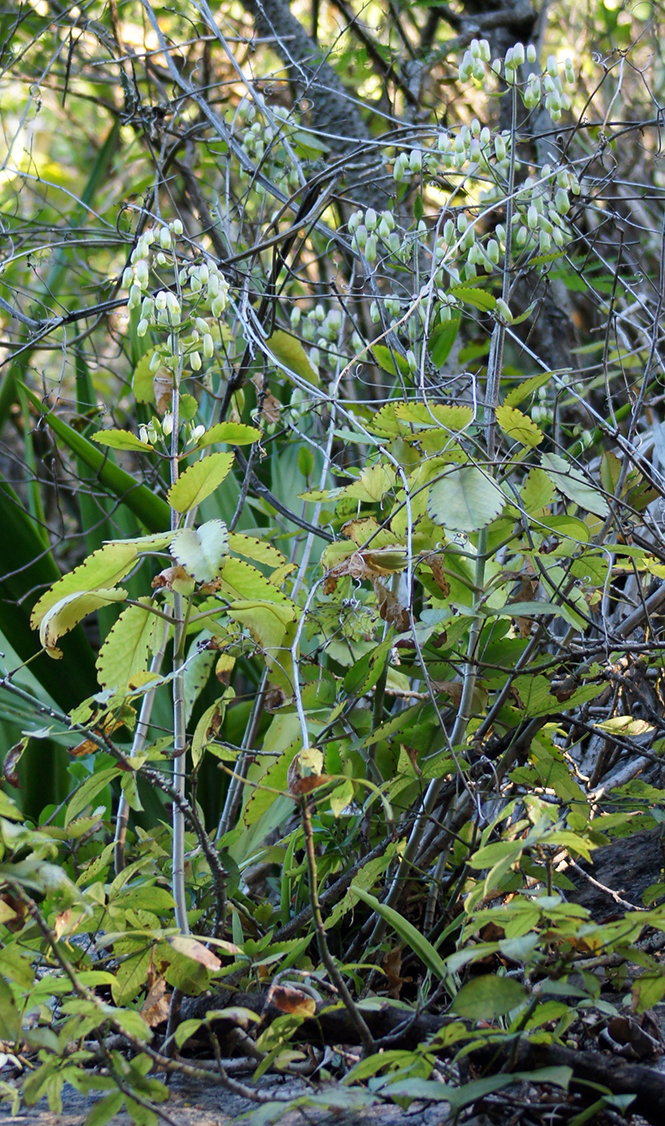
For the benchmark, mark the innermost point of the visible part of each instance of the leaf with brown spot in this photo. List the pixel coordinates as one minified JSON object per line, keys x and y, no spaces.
{"x":412,"y":754}
{"x":290,"y":1000}
{"x":162,"y":386}
{"x":195,"y":950}
{"x":87,"y":747}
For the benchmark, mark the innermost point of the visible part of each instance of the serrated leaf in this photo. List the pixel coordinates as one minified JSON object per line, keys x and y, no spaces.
{"x":537,"y":491}
{"x":572,"y":484}
{"x":526,"y":388}
{"x":372,"y":485}
{"x":103,"y":569}
{"x":242,"y":582}
{"x":465,"y":500}
{"x":143,"y":379}
{"x":390,"y":361}
{"x":259,"y":550}
{"x":121,"y":440}
{"x":126,"y":649}
{"x":235,"y":433}
{"x":488,"y":996}
{"x":479,"y":298}
{"x":201,"y":551}
{"x":199,"y":481}
{"x":518,"y":426}
{"x":291,"y":354}
{"x":454,"y":418}
{"x":69,"y":611}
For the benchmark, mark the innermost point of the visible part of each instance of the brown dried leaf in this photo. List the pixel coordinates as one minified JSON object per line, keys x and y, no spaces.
{"x":390,"y":609}
{"x":271,"y":408}
{"x":87,"y":747}
{"x":12,"y":759}
{"x":452,"y":688}
{"x":438,"y":574}
{"x":61,"y":923}
{"x":392,"y":964}
{"x":290,"y":1000}
{"x":162,"y":386}
{"x":224,"y":668}
{"x":413,"y":759}
{"x":155,"y":1008}
{"x":274,"y":699}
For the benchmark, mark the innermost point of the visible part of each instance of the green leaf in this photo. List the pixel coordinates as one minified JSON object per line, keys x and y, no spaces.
{"x":479,"y":298}
{"x":105,"y":1109}
{"x":87,"y":793}
{"x":143,"y":379}
{"x":69,"y":611}
{"x":488,"y":996}
{"x":518,"y":426}
{"x":464,"y":500}
{"x":201,"y":552}
{"x":235,"y":433}
{"x":390,"y":361}
{"x":442,"y":338}
{"x":120,"y":440}
{"x":199,"y":481}
{"x":406,"y":931}
{"x":188,"y":408}
{"x":10,"y":1023}
{"x":291,"y":355}
{"x":126,"y":649}
{"x":572,"y":484}
{"x":364,"y":674}
{"x":341,"y":797}
{"x":186,"y":1029}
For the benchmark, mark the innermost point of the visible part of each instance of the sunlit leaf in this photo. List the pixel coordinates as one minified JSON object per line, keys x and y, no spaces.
{"x":465,"y":500}
{"x":199,"y":481}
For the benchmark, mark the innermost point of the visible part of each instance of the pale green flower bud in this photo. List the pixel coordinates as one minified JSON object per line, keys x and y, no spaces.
{"x":127,"y":277}
{"x":142,"y":328}
{"x":167,"y":424}
{"x":503,"y":309}
{"x":552,"y":66}
{"x":370,"y":249}
{"x":195,"y":361}
{"x":176,"y":227}
{"x":295,"y":316}
{"x":208,"y":346}
{"x":415,"y":160}
{"x":135,"y":296}
{"x":531,"y":53}
{"x":371,"y":219}
{"x":165,"y":240}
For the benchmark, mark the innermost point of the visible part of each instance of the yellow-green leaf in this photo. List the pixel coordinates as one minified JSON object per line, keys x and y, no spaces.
{"x":121,"y":440}
{"x":235,"y":433}
{"x":465,"y":500}
{"x":199,"y":481}
{"x":103,"y":569}
{"x":518,"y":426}
{"x":127,"y":647}
{"x":259,"y":550}
{"x":69,"y":611}
{"x":143,"y":379}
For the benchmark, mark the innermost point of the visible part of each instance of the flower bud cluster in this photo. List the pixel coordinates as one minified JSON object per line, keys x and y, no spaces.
{"x":369,"y":229}
{"x":473,"y":66}
{"x":261,"y":142}
{"x":199,"y":284}
{"x":550,"y":86}
{"x":159,"y":430}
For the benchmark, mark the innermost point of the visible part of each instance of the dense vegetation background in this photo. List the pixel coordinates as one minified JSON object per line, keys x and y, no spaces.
{"x":331,"y":553}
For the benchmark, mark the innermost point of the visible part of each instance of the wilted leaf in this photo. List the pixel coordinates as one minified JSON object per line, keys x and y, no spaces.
{"x":69,"y":611}
{"x":390,"y":608}
{"x":155,"y":1008}
{"x":12,"y":759}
